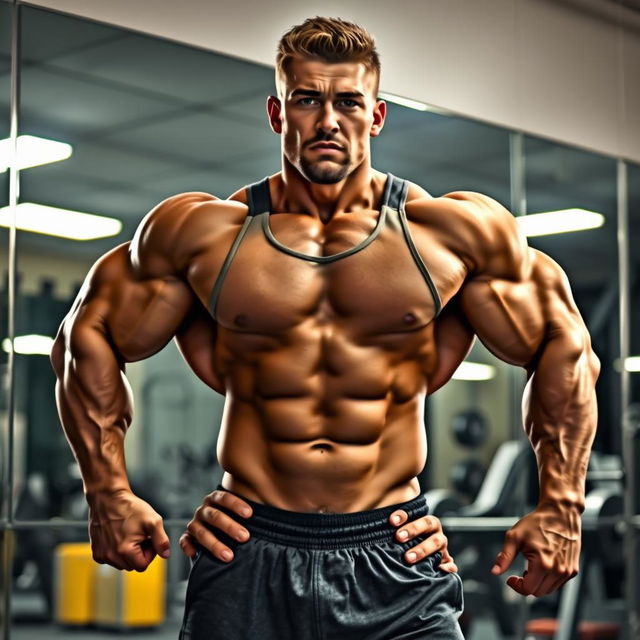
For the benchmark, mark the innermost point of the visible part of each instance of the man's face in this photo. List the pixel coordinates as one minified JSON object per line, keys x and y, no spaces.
{"x":331,"y":104}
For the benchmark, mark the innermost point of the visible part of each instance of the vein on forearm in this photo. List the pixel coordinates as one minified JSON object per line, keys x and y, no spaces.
{"x":560,"y":416}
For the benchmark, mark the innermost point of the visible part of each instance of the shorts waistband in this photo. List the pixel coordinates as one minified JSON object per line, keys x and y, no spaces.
{"x":322,"y":530}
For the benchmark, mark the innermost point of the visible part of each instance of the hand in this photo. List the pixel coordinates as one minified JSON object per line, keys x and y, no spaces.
{"x":125,"y":531}
{"x":207,"y":516}
{"x":437,"y":541}
{"x":549,"y":538}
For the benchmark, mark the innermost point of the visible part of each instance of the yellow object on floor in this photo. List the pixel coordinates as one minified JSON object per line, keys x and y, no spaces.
{"x":74,"y":580}
{"x":88,"y":592}
{"x":130,"y":598}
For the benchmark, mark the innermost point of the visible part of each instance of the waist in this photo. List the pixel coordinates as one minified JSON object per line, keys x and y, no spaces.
{"x":322,"y":530}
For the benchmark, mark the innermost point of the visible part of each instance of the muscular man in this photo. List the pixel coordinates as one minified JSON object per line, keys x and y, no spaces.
{"x":338,"y":297}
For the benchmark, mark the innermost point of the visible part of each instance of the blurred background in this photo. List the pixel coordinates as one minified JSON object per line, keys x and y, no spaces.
{"x":141,"y":116}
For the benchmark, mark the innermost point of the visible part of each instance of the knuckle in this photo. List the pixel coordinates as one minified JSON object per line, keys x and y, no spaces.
{"x":213,"y":515}
{"x":198,"y":531}
{"x":547,"y":565}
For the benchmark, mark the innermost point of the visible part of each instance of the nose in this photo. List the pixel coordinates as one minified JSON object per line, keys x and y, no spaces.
{"x":328,"y":121}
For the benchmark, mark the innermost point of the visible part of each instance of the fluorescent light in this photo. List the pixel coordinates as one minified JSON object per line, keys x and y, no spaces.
{"x":33,"y":151}
{"x":63,"y":223}
{"x":474,"y":371}
{"x":564,"y":221}
{"x":408,"y":102}
{"x":630,"y":364}
{"x":31,"y":344}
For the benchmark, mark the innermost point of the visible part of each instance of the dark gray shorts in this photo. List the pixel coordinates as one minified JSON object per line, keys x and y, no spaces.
{"x":321,"y":576}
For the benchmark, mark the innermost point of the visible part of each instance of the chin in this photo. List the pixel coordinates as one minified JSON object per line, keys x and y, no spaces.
{"x":324,"y":172}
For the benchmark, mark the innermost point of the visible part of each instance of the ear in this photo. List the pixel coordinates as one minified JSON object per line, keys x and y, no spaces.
{"x":274,"y":113}
{"x":379,"y":115}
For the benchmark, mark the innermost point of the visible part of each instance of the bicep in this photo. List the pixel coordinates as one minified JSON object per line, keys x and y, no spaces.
{"x":514,"y":318}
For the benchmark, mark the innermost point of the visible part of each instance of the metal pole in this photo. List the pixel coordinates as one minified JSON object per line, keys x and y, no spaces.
{"x":628,"y":426}
{"x":14,"y":190}
{"x":518,"y":208}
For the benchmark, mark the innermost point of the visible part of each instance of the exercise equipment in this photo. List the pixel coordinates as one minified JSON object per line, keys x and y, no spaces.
{"x":467,"y":476}
{"x":470,"y":428}
{"x":543,"y":628}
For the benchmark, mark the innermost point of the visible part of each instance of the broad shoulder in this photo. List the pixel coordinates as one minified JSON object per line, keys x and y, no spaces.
{"x":478,"y":228}
{"x":179,"y":227}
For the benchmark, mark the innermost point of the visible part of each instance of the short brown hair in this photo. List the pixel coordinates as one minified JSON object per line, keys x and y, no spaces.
{"x":330,"y":40}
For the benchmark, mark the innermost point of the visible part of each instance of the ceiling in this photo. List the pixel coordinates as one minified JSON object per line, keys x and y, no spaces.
{"x":149,"y":118}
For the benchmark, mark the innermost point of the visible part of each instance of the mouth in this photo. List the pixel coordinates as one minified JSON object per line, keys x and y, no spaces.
{"x":326,"y":146}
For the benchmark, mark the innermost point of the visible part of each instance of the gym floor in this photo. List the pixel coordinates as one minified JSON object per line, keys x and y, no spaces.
{"x":30,"y":622}
{"x":26,"y":626}
{"x":483,"y":630}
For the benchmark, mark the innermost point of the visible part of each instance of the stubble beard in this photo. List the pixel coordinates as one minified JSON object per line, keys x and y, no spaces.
{"x":324,"y":172}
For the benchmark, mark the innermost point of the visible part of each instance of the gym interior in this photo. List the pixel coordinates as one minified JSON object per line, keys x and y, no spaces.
{"x":113,"y":117}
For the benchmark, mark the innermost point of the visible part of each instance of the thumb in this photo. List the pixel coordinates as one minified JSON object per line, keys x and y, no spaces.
{"x":160,"y":540}
{"x":505,"y":557}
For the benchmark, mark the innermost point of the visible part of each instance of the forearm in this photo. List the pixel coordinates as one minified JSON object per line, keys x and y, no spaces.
{"x":560,"y":417}
{"x":95,"y":407}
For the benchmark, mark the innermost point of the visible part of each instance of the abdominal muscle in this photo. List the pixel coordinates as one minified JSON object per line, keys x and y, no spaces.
{"x":365,"y":456}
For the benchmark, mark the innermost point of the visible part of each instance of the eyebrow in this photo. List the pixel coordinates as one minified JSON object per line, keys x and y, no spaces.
{"x":317,"y":94}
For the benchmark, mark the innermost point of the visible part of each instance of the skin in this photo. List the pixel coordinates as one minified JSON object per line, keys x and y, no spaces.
{"x":325,"y":373}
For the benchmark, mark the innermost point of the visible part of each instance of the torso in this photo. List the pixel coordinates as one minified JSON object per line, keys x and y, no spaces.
{"x":325,"y":364}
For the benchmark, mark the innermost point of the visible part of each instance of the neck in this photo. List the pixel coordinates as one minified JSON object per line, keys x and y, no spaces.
{"x":361,"y":189}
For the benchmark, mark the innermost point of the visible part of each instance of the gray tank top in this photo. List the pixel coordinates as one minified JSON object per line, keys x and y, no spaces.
{"x":392,"y":214}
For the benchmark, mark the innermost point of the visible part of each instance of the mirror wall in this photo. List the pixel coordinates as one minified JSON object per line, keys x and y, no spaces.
{"x":147,"y":118}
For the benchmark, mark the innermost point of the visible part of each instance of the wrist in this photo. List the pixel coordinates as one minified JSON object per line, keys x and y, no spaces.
{"x":98,"y":494}
{"x":561,"y":505}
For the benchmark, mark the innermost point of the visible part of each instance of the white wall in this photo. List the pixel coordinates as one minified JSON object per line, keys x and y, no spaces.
{"x":539,"y":66}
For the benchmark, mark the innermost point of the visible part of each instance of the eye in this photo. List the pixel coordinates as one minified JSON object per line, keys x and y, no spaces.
{"x":302,"y":100}
{"x":353,"y":103}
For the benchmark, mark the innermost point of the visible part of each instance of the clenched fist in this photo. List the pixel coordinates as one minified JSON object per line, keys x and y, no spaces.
{"x":125,"y":531}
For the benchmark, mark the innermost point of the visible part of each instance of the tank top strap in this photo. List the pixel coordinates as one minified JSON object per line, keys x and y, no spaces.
{"x":258,"y":197}
{"x":395,"y":192}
